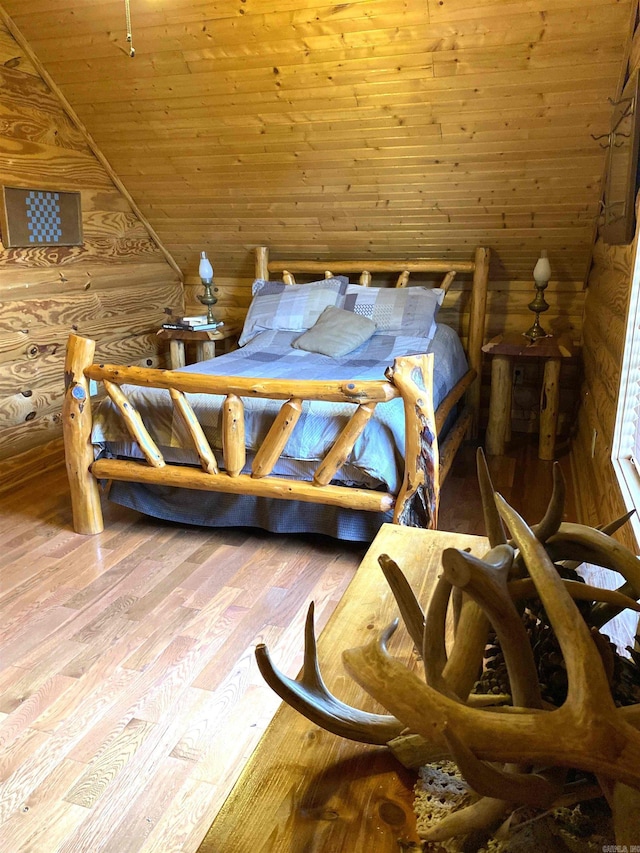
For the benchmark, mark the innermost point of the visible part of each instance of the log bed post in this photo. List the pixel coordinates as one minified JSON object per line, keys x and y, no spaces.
{"x":476,"y":332}
{"x":262,"y":263}
{"x":419,"y":495}
{"x":77,"y":422}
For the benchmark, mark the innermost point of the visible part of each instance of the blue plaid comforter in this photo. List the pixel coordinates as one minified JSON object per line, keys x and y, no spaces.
{"x":377,"y":455}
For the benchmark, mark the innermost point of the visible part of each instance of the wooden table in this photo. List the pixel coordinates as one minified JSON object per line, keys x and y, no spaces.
{"x":305,"y":790}
{"x":205,"y":342}
{"x":505,"y":350}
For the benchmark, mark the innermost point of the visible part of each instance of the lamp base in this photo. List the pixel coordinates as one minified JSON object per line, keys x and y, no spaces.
{"x":208,"y":299}
{"x":536,"y":331}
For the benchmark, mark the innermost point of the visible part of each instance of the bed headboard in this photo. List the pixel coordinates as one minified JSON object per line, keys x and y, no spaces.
{"x":478,"y":268}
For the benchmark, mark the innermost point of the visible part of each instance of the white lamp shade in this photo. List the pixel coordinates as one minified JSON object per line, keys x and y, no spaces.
{"x":205,"y":269}
{"x":542,"y":269}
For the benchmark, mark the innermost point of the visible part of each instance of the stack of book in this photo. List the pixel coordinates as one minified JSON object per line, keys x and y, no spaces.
{"x":194,"y":324}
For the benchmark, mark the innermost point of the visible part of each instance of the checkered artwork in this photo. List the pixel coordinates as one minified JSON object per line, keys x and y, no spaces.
{"x":43,"y":217}
{"x":32,"y":218}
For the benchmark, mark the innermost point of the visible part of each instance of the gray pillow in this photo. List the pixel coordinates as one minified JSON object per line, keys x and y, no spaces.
{"x":289,"y":307}
{"x":336,"y":332}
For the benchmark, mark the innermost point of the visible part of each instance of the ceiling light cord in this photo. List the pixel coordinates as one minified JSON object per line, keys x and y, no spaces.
{"x":127,"y":11}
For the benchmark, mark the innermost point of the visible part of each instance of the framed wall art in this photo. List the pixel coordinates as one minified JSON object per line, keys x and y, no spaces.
{"x":32,"y":218}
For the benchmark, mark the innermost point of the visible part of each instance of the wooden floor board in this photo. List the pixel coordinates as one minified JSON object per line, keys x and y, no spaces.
{"x":130,"y":696}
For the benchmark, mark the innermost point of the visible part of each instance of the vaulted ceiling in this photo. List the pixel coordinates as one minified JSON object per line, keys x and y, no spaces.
{"x":372,"y":127}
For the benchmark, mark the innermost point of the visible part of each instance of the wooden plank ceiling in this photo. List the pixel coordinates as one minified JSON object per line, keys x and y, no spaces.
{"x":372,"y":127}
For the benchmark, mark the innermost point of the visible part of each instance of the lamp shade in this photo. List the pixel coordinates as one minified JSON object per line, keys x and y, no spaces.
{"x":542,"y":269}
{"x":205,"y":269}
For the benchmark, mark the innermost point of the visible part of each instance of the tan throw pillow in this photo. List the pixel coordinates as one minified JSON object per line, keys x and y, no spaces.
{"x":336,"y":332}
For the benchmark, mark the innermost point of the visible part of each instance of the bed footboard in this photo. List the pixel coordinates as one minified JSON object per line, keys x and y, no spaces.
{"x":410,"y":378}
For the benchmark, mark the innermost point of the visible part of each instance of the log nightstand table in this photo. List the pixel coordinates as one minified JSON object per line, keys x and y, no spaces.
{"x":205,"y":342}
{"x":504,"y":350}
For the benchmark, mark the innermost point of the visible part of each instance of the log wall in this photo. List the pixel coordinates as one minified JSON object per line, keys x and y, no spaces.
{"x":117,"y":286}
{"x":604,"y":330}
{"x":374,"y":128}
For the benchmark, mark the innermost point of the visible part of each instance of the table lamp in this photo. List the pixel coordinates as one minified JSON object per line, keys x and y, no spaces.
{"x":541,"y":276}
{"x":205,"y":270}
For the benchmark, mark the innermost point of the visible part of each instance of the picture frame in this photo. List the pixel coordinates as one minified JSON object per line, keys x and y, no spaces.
{"x":32,"y":218}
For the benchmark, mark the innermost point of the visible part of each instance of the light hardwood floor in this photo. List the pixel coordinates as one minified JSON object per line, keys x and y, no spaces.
{"x":129,"y":696}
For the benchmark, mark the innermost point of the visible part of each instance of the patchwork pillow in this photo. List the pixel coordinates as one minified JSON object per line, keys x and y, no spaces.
{"x":289,"y":307}
{"x":336,"y":333}
{"x":409,"y":310}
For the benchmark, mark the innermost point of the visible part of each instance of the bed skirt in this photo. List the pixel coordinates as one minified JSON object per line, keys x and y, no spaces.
{"x":217,"y":509}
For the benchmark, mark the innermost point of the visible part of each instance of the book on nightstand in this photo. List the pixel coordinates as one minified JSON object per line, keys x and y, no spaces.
{"x":194,"y":324}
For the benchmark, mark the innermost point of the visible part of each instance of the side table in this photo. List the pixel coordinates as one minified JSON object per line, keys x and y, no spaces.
{"x":304,"y":789}
{"x":504,"y":350}
{"x":205,"y":342}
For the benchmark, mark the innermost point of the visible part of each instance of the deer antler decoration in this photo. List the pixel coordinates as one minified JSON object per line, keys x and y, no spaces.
{"x":532,"y":742}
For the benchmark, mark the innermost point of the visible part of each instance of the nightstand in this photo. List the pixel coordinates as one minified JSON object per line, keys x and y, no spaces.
{"x":504,"y":350}
{"x":205,"y":342}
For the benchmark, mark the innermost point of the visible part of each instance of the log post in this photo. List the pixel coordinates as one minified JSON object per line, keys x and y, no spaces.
{"x":343,"y":445}
{"x":476,"y":331}
{"x":177,"y":354}
{"x":233,"y":438}
{"x":183,"y":407}
{"x":419,"y":495}
{"x":499,"y":404}
{"x":77,"y":423}
{"x":262,"y":262}
{"x":277,"y":437}
{"x":447,"y":281}
{"x":134,"y":424}
{"x":549,"y":409}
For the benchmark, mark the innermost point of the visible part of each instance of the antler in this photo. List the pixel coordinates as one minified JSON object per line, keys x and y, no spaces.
{"x":311,"y":697}
{"x":408,"y":604}
{"x":604,"y":744}
{"x":552,"y":518}
{"x":587,"y":731}
{"x":441,"y":717}
{"x":486,"y":582}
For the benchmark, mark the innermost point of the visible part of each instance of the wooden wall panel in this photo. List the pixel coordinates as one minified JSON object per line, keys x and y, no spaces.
{"x":374,"y":128}
{"x":116,"y":287}
{"x":604,"y":331}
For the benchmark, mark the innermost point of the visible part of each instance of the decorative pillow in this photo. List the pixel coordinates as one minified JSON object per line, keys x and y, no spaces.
{"x":336,"y":333}
{"x":410,"y":310}
{"x":289,"y":307}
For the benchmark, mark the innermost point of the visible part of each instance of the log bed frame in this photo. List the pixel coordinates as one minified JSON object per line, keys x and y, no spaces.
{"x":426,"y":463}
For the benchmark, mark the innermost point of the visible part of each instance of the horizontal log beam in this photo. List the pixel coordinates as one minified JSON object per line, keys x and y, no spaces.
{"x":276,"y":389}
{"x":454,"y":439}
{"x":396,"y":266}
{"x":452,"y":398}
{"x":267,"y":487}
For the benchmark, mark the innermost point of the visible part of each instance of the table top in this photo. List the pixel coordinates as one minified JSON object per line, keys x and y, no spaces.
{"x":193,"y":335}
{"x":304,"y":789}
{"x":517,"y":345}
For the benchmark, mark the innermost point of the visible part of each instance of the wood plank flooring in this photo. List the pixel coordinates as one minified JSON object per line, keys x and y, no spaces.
{"x":129,"y":695}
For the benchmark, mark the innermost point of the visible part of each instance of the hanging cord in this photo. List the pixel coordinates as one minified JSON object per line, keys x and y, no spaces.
{"x":127,"y":11}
